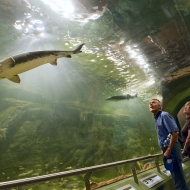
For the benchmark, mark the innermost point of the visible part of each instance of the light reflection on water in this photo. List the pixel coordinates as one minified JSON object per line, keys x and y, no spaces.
{"x":63,"y":7}
{"x":124,"y":60}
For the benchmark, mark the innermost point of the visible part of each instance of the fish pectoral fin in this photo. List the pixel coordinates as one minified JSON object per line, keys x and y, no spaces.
{"x":15,"y":79}
{"x":54,"y":63}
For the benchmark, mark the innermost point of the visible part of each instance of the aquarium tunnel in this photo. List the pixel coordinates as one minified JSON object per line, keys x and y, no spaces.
{"x":76,"y":78}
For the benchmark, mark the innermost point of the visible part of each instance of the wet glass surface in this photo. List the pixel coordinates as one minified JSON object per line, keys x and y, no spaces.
{"x":58,"y":117}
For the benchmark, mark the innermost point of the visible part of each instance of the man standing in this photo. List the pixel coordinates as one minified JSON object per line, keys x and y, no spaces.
{"x":185,"y":131}
{"x":167,"y":132}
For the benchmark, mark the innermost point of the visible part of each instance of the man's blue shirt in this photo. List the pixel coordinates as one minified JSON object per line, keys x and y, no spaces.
{"x":165,"y":124}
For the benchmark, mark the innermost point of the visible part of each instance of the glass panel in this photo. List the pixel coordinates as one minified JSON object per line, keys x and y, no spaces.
{"x":91,"y":107}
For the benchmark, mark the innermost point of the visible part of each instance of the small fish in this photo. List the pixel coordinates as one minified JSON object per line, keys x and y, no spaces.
{"x":122,"y":97}
{"x":12,"y":66}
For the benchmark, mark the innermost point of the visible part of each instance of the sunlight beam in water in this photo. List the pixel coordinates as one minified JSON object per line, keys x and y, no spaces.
{"x":65,"y":7}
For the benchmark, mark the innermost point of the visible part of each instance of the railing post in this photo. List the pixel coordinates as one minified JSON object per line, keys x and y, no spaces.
{"x":133,"y":168}
{"x":87,"y":180}
{"x":157,"y":164}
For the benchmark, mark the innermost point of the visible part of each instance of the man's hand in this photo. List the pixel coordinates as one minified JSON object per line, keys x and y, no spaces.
{"x":167,"y":153}
{"x":173,"y":140}
{"x":184,"y":152}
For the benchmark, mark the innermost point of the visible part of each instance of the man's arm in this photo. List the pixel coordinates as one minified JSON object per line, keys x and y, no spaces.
{"x":173,"y":140}
{"x":187,"y":144}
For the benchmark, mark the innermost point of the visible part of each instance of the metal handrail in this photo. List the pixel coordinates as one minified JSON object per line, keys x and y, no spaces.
{"x":87,"y":171}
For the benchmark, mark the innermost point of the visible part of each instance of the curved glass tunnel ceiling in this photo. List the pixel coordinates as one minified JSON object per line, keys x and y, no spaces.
{"x":134,"y":47}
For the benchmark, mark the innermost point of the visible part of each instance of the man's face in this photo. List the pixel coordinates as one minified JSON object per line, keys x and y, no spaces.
{"x":154,"y":106}
{"x":186,"y":109}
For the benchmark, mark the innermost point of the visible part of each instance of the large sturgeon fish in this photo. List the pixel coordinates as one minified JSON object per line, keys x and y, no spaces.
{"x":12,"y":66}
{"x":122,"y":97}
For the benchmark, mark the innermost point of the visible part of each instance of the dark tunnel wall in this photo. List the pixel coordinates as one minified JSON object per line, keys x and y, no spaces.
{"x":175,"y":95}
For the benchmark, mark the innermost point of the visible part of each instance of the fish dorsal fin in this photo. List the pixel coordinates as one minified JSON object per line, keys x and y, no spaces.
{"x":15,"y":79}
{"x":54,"y":63}
{"x":10,"y":62}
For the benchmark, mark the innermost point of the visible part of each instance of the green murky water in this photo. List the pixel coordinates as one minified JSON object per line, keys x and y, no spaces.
{"x":58,"y":118}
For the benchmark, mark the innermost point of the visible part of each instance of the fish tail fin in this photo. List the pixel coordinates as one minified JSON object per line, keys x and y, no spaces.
{"x":78,"y":49}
